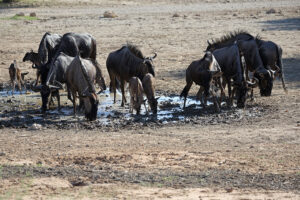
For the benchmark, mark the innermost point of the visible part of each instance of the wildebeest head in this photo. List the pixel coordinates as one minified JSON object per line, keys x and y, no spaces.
{"x":28,"y":56}
{"x":265,"y":82}
{"x":91,"y":106}
{"x":148,"y":61}
{"x":153,"y":105}
{"x":242,"y":91}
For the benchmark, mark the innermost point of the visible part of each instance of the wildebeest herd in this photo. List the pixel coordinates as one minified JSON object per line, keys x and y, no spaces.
{"x":70,"y":59}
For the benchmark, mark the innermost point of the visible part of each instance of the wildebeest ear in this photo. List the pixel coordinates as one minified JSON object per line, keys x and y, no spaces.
{"x":208,"y":43}
{"x":157,"y":98}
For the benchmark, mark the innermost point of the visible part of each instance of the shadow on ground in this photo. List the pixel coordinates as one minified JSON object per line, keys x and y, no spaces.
{"x":292,"y":71}
{"x":289,"y":24}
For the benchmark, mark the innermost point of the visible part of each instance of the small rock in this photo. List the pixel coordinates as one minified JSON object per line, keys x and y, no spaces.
{"x":33,"y":14}
{"x":176,"y":15}
{"x":234,"y":15}
{"x":271,"y":11}
{"x":188,"y":141}
{"x":228,"y":190}
{"x":109,"y":14}
{"x":20,"y":14}
{"x":35,"y":127}
{"x":39,"y":162}
{"x":2,"y":154}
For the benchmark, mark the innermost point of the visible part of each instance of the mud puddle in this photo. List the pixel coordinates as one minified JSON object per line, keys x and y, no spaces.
{"x":22,"y":110}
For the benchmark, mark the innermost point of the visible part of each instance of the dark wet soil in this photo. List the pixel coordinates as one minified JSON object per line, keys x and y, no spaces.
{"x":25,"y":117}
{"x":158,"y":177}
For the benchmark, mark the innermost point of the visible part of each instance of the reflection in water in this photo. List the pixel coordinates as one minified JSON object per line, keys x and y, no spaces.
{"x":107,"y":110}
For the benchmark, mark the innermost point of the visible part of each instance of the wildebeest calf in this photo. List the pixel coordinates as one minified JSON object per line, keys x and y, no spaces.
{"x":149,"y":89}
{"x":16,"y":75}
{"x":136,"y":95}
{"x":202,"y":73}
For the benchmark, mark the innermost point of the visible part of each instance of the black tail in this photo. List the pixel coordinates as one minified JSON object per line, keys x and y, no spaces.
{"x":117,"y":82}
{"x":185,"y":91}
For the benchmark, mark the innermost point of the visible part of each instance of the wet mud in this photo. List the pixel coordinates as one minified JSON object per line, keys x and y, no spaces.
{"x":22,"y":110}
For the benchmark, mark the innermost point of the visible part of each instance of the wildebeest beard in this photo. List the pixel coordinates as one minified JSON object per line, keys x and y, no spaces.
{"x":92,"y":113}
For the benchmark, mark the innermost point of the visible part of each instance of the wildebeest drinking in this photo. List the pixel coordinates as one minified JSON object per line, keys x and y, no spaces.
{"x":136,"y":95}
{"x":126,"y":63}
{"x":149,"y":89}
{"x":71,"y":44}
{"x":249,"y":49}
{"x":80,"y":76}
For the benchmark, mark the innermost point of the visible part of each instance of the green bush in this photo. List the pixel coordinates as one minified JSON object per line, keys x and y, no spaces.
{"x":9,"y":1}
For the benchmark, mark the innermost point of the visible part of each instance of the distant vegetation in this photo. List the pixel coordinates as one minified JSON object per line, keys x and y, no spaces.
{"x":20,"y":18}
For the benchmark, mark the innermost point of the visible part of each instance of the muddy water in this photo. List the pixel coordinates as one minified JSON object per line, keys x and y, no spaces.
{"x":22,"y":110}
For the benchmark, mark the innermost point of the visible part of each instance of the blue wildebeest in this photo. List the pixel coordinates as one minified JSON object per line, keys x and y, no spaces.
{"x":230,"y":63}
{"x":136,"y":95}
{"x":80,"y":76}
{"x":249,"y":49}
{"x":202,"y":73}
{"x":149,"y":89}
{"x":125,"y":63}
{"x":71,"y":45}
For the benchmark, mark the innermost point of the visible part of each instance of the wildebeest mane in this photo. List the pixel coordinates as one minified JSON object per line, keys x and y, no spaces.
{"x":230,"y":37}
{"x":135,"y":50}
{"x":42,"y":48}
{"x":85,"y":74}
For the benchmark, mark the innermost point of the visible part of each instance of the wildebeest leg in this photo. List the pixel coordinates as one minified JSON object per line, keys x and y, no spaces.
{"x":131,"y":105}
{"x":74,"y":102}
{"x":51,"y":102}
{"x":123,"y":93}
{"x":185,"y":91}
{"x":112,"y":84}
{"x":19,"y":86}
{"x":58,"y":99}
{"x":222,"y":88}
{"x":216,"y":103}
{"x":200,"y":96}
{"x":229,"y":93}
{"x":13,"y":85}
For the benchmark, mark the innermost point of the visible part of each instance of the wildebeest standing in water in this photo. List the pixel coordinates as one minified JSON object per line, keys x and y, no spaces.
{"x":36,"y":62}
{"x":230,"y":63}
{"x":16,"y":76}
{"x":41,"y":61}
{"x":202,"y":73}
{"x":149,"y":89}
{"x":72,"y":44}
{"x":136,"y":95}
{"x":81,"y":75}
{"x":249,"y":49}
{"x":125,"y":63}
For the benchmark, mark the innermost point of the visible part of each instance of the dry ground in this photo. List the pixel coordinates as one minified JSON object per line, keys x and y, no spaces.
{"x":247,"y":158}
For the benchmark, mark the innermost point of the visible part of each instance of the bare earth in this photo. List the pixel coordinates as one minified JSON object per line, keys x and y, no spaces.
{"x":236,"y":154}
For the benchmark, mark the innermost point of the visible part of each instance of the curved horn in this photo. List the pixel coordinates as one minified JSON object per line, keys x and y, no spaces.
{"x":53,"y":87}
{"x":155,"y":54}
{"x":253,"y":84}
{"x":208,"y":42}
{"x":35,"y":66}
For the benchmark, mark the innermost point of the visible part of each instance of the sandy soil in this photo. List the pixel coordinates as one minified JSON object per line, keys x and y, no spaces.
{"x":237,"y":154}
